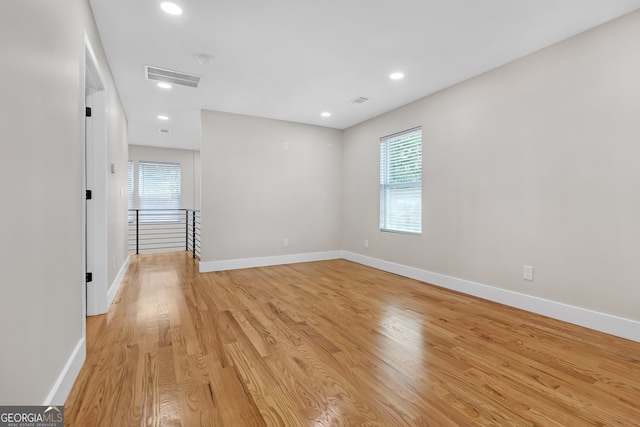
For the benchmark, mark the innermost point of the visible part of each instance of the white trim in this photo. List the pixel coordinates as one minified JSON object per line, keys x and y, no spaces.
{"x":113,"y":290}
{"x":234,"y":264}
{"x":92,"y":67}
{"x":83,"y":243}
{"x":607,"y":323}
{"x":62,"y":387}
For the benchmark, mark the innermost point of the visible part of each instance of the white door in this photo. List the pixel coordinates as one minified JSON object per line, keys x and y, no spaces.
{"x":96,"y":181}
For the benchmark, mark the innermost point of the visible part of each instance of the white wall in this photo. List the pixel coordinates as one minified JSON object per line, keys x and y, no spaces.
{"x":118,"y":153}
{"x":41,"y":134}
{"x":534,"y":163}
{"x":189,"y":161}
{"x":255,"y":193}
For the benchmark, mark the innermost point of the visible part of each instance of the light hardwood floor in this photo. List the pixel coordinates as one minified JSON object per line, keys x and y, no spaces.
{"x":334,"y":343}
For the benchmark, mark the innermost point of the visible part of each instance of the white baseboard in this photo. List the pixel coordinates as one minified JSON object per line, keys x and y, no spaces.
{"x":62,"y":387}
{"x":618,"y":326}
{"x":113,"y":290}
{"x":234,"y":264}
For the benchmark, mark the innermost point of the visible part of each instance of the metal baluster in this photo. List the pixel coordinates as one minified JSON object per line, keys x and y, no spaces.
{"x":194,"y":234}
{"x":186,"y":234}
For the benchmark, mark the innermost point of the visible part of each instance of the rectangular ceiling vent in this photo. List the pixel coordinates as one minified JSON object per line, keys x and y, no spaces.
{"x":170,"y":76}
{"x":358,"y":100}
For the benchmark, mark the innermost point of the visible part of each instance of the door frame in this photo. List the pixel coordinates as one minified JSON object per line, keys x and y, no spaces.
{"x":95,"y":160}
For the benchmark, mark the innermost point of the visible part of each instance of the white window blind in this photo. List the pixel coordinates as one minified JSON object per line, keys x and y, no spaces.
{"x":159,"y":189}
{"x":401,"y":182}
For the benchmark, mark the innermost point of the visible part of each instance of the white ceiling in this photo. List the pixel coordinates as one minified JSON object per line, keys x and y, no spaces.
{"x":293,"y":59}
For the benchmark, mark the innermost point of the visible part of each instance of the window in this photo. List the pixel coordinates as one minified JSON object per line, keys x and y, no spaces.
{"x":159,"y":189}
{"x":130,"y":188}
{"x":401,"y":182}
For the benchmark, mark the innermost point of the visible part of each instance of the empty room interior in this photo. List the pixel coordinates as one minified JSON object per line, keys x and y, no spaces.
{"x":386,"y":214}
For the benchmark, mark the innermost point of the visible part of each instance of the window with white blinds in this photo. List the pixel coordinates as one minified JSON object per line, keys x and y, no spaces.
{"x":159,"y":189}
{"x":401,"y":182}
{"x":130,"y":188}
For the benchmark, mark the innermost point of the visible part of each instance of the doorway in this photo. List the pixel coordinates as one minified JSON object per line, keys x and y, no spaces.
{"x":95,"y":179}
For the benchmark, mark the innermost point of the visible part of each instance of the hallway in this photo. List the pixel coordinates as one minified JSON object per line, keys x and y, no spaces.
{"x":335,"y":343}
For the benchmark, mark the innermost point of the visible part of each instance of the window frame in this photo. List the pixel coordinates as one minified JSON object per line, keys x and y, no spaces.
{"x":387,"y":222}
{"x":173,"y":214}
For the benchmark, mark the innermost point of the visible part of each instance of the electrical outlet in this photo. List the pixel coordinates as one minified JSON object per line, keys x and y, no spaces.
{"x":285,"y":146}
{"x":366,"y":243}
{"x":285,"y":242}
{"x":527,"y":272}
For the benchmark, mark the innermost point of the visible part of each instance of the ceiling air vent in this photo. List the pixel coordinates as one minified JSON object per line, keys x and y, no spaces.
{"x":170,"y":76}
{"x":164,"y":130}
{"x":358,"y":100}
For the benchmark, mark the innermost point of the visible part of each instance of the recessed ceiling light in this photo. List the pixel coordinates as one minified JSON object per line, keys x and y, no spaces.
{"x":164,"y":85}
{"x":163,"y":117}
{"x":325,"y":114}
{"x":171,"y":8}
{"x":396,"y":76}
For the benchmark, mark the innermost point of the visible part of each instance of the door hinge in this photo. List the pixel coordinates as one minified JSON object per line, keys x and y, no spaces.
{"x":88,"y":194}
{"x":87,"y":111}
{"x":89,"y":277}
